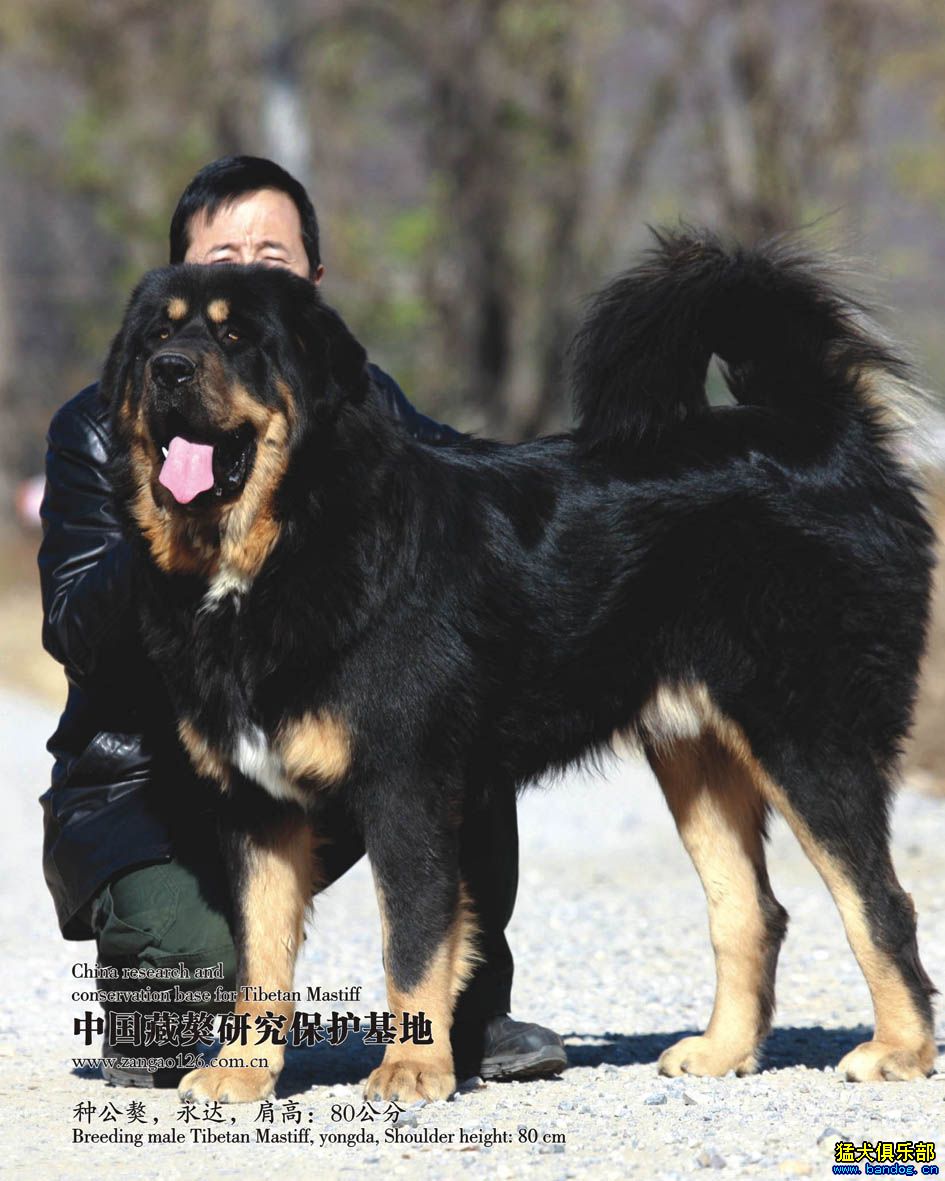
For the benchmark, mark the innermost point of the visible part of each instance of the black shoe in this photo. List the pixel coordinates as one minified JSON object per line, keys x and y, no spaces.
{"x":520,"y":1050}
{"x":117,"y":1070}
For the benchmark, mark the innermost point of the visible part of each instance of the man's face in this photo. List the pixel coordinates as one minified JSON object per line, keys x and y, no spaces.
{"x":262,"y":227}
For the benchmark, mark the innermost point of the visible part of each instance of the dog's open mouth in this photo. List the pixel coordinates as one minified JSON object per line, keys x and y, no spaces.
{"x":198,"y":462}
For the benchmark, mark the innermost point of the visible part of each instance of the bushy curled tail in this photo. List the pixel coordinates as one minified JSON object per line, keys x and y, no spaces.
{"x":789,"y":337}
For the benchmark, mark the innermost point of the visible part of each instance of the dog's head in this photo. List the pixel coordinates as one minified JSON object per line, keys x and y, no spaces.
{"x":217,"y":375}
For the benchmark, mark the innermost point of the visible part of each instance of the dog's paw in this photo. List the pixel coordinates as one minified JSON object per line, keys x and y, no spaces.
{"x":227,"y":1084}
{"x":407,"y":1080}
{"x":707,"y":1056}
{"x":873,"y":1062}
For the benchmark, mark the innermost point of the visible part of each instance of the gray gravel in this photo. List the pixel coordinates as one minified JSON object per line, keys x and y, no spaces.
{"x":611,"y":946}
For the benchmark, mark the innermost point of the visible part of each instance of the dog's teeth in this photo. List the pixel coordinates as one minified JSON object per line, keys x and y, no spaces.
{"x":164,"y":449}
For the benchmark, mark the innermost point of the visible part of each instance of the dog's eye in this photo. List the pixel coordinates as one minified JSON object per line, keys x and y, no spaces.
{"x":231,"y":335}
{"x":164,"y":334}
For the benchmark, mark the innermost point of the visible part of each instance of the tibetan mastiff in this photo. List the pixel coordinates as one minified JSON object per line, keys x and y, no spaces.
{"x":338,"y":608}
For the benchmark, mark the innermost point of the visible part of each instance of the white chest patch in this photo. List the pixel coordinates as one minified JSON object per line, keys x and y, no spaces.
{"x":676,"y":712}
{"x":257,"y":761}
{"x":226,"y":581}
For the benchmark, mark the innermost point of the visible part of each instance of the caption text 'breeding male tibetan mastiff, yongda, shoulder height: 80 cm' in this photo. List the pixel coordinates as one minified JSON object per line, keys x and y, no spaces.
{"x":337,"y":608}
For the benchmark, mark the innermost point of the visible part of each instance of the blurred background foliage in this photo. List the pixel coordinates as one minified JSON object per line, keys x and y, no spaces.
{"x":478,"y":167}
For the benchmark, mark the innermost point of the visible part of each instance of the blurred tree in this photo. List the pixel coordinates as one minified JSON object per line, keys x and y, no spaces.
{"x":782,"y":109}
{"x":160,"y":91}
{"x":132,"y":100}
{"x":478,"y":165}
{"x":919,"y":161}
{"x":509,"y":111}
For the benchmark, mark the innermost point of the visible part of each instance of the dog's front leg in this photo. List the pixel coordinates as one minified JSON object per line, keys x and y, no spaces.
{"x":273,"y":871}
{"x":429,"y":935}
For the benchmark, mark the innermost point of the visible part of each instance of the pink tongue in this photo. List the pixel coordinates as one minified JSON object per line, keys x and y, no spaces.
{"x":188,"y":469}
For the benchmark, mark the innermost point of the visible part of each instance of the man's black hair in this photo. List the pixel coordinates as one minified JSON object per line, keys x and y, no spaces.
{"x":226,"y":180}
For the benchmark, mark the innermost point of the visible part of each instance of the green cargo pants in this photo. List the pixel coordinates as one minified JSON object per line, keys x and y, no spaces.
{"x":162,"y":915}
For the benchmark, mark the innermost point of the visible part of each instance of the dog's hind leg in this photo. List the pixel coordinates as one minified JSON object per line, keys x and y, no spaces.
{"x":429,"y":936}
{"x":273,"y":871}
{"x":721,"y":820}
{"x":841,"y":823}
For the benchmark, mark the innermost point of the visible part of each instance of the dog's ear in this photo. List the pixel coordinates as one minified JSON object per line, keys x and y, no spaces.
{"x":336,"y":360}
{"x":347,"y":359}
{"x":123,"y":353}
{"x":117,"y":371}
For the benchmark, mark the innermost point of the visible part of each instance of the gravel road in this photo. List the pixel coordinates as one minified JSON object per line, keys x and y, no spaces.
{"x":612,"y":950}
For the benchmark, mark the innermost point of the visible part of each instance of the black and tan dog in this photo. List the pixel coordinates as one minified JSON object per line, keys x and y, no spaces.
{"x":337,"y":608}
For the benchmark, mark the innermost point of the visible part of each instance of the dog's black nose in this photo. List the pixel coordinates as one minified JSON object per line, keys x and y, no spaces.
{"x":171,"y":369}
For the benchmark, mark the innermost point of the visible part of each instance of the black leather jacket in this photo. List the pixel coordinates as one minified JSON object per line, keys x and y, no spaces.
{"x":120,"y":780}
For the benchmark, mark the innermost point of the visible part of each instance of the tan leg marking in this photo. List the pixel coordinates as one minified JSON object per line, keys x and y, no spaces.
{"x":903,"y":1045}
{"x":720,"y":818}
{"x":207,"y":762}
{"x":281,"y":879}
{"x":410,"y":1071}
{"x":315,"y":747}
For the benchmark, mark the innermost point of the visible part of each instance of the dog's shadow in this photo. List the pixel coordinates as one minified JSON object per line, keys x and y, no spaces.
{"x":327,"y":1066}
{"x":347,"y":1064}
{"x":812,"y":1046}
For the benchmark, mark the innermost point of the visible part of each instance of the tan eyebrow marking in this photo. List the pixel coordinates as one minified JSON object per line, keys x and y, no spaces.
{"x":218,"y":310}
{"x":177,"y":308}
